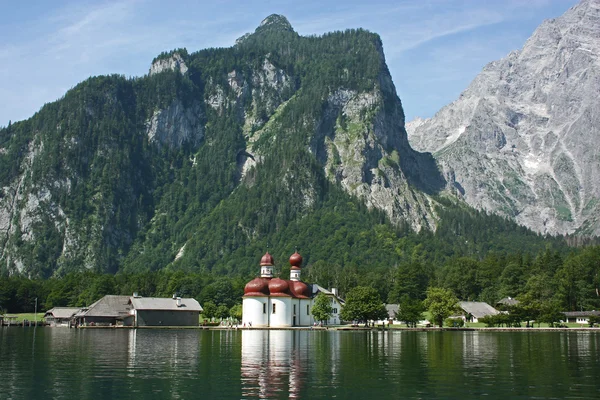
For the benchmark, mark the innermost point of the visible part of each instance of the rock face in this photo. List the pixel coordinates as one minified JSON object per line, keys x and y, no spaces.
{"x":172,"y":63}
{"x":522,"y":139}
{"x":244,"y":141}
{"x":368,"y":154}
{"x":176,"y":125}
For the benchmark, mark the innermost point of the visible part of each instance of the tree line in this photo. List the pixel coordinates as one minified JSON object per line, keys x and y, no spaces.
{"x":548,"y":281}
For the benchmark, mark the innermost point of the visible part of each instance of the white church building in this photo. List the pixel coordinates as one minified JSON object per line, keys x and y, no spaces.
{"x":278,"y":303}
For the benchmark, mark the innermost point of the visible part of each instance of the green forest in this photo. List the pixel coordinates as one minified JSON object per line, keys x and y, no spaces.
{"x":118,"y":212}
{"x":564,"y":281}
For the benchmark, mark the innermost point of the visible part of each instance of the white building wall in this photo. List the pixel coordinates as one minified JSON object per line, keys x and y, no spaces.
{"x":286,"y":308}
{"x":335,"y":315}
{"x":282,"y":317}
{"x":255,"y":311}
{"x":302,"y":317}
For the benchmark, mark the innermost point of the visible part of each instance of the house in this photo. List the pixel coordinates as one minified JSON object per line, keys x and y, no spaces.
{"x":507,"y":302}
{"x":392,"y":310}
{"x":336,"y":302}
{"x":60,"y":316}
{"x":108,"y":311}
{"x":269,"y":301}
{"x":155,"y":311}
{"x":475,"y":310}
{"x":580,"y":317}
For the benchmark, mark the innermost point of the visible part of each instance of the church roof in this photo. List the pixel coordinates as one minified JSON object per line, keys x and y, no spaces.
{"x":277,"y":287}
{"x":267,"y":260}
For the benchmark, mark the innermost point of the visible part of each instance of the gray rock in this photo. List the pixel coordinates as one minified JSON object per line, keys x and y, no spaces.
{"x":173,"y":63}
{"x":176,"y":125}
{"x":521,"y":140}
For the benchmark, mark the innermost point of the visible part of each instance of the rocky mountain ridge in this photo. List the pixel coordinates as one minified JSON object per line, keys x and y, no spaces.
{"x":521,"y":140}
{"x":209,"y":153}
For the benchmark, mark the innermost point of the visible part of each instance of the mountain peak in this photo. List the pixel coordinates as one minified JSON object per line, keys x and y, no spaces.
{"x":517,"y":140}
{"x":273,"y":23}
{"x":276,"y":22}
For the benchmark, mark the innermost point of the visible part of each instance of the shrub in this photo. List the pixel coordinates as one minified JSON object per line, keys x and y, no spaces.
{"x":454,"y":322}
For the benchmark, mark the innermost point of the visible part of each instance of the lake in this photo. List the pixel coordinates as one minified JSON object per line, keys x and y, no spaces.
{"x":61,"y":363}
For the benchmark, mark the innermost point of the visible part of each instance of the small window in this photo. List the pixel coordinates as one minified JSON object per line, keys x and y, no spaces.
{"x":308,"y":309}
{"x":335,"y":310}
{"x":274,"y":308}
{"x":294,"y":309}
{"x":264,"y":308}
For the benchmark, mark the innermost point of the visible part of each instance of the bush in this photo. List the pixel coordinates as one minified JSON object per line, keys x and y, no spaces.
{"x":594,"y":320}
{"x":454,"y":322}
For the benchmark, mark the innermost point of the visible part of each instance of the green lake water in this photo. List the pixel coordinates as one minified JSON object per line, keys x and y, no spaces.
{"x":61,"y":363}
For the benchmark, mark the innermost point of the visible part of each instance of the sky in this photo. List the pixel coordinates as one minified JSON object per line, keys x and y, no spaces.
{"x":433,"y":48}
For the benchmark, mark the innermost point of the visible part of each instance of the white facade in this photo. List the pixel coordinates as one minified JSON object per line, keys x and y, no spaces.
{"x":280,"y":312}
{"x":255,"y":311}
{"x":276,"y":303}
{"x":284,"y":312}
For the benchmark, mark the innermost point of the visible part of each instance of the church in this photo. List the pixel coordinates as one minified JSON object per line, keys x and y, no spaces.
{"x":280,"y":303}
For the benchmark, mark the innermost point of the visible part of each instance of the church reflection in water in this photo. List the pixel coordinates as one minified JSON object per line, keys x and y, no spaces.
{"x":275,"y":363}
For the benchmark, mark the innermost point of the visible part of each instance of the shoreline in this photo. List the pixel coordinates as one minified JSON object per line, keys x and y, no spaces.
{"x":338,"y":328}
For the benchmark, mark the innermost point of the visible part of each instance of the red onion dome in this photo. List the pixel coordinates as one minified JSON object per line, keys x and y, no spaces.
{"x":295,"y":260}
{"x":301,"y":288}
{"x":278,"y":285}
{"x":267,"y":259}
{"x":256,"y":287}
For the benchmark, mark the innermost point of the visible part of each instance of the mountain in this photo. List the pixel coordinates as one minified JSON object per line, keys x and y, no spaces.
{"x":521,"y":140}
{"x":214,"y":155}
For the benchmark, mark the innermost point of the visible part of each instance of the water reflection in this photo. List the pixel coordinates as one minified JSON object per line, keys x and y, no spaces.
{"x":177,"y":351}
{"x":183,"y":364}
{"x":271,"y":364}
{"x":281,"y":363}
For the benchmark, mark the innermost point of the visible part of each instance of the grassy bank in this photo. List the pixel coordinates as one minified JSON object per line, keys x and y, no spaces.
{"x":29,"y":316}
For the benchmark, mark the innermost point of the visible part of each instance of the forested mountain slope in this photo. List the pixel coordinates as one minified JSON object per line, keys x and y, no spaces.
{"x":279,"y":140}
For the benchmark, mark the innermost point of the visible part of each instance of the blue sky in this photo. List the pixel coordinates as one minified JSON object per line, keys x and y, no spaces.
{"x":433,"y":48}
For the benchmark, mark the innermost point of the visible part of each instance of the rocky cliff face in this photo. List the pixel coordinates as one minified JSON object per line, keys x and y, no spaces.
{"x":521,"y":140}
{"x":360,"y":141}
{"x":174,"y":62}
{"x":367,"y":153}
{"x":206,"y":151}
{"x":176,"y":125}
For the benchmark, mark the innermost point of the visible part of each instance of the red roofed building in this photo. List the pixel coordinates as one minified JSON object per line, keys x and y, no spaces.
{"x":274,"y":302}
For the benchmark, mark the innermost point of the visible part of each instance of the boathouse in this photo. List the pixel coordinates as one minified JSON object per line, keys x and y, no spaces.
{"x":108,"y":311}
{"x":8,"y":320}
{"x":60,"y":316}
{"x":155,"y":311}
